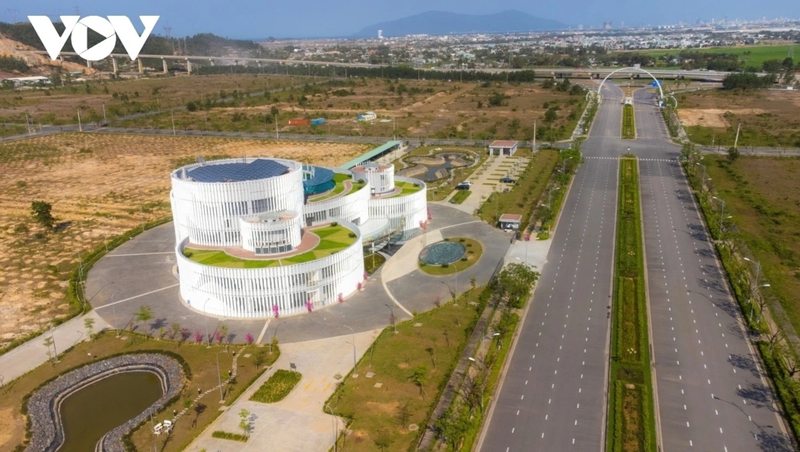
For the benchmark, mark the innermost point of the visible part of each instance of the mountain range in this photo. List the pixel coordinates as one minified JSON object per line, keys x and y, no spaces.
{"x":441,"y":23}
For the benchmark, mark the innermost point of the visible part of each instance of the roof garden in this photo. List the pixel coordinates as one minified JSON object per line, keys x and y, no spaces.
{"x":332,"y":240}
{"x":406,"y":188}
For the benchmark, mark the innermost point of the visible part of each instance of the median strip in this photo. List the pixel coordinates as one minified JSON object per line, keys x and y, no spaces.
{"x":628,"y":126}
{"x":630,"y":424}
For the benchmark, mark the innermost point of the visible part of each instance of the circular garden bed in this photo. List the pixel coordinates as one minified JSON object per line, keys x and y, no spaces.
{"x":451,"y":255}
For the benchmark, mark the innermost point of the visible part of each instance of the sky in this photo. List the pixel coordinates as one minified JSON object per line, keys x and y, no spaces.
{"x":256,"y":19}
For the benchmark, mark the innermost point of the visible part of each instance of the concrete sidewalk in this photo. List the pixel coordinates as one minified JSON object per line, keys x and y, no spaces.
{"x":297,"y":423}
{"x":33,"y":353}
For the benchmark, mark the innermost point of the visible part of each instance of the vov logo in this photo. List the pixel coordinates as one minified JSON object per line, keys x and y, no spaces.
{"x":78,"y":29}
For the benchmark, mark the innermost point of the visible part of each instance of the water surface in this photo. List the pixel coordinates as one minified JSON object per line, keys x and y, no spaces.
{"x":93,"y":411}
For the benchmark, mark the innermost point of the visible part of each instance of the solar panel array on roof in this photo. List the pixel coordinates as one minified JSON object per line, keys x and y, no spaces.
{"x":237,"y":171}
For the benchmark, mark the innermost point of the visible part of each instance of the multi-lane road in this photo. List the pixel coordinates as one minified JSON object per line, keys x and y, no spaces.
{"x":554,"y":393}
{"x":711,"y":394}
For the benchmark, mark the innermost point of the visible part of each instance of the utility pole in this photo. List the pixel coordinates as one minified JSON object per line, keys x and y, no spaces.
{"x":736,"y":141}
{"x":80,"y":127}
{"x":277,"y":134}
{"x":171,"y":115}
{"x":534,"y":136}
{"x":104,"y":113}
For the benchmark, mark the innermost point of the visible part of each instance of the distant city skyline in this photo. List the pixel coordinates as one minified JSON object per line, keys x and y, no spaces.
{"x":244,"y":19}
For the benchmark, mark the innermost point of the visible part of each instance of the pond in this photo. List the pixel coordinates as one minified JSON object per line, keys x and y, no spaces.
{"x":440,"y":253}
{"x":93,"y":411}
{"x":435,"y":167}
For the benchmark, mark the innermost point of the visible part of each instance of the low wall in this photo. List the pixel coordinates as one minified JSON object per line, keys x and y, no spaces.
{"x":44,"y":407}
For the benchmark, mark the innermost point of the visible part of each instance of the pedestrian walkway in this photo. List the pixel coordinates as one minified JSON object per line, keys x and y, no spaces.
{"x":298,"y":422}
{"x":33,"y":353}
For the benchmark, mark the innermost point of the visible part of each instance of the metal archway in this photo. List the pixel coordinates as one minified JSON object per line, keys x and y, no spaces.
{"x":633,"y":69}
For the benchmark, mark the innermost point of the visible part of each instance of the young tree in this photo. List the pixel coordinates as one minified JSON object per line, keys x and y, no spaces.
{"x":259,"y":359}
{"x":176,"y":330}
{"x":42,"y":212}
{"x":733,"y":154}
{"x":419,"y":377}
{"x":224,"y":332}
{"x":144,"y":313}
{"x":88,"y":323}
{"x":383,"y":439}
{"x":244,"y":421}
{"x":48,"y":342}
{"x":404,"y":413}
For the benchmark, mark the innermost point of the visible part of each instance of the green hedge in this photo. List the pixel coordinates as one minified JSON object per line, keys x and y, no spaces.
{"x":228,"y":435}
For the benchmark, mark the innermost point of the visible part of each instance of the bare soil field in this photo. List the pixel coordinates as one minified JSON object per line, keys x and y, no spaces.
{"x":768,"y":117}
{"x":60,"y":105}
{"x":408,"y":108}
{"x":99,"y":186}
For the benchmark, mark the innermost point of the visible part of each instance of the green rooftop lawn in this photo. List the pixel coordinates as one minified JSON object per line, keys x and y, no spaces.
{"x":337,"y":189}
{"x":406,"y":188}
{"x":332,"y":240}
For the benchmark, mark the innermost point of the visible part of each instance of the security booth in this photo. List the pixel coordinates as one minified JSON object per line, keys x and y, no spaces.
{"x":510,"y":221}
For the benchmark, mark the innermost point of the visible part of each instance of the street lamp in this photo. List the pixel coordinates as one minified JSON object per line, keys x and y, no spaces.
{"x":721,"y":213}
{"x":355,"y":369}
{"x":275,"y":336}
{"x":219,"y":378}
{"x":335,"y":425}
{"x":53,"y":338}
{"x":753,"y":287}
{"x":394,"y":324}
{"x":205,"y":320}
{"x":114,"y":311}
{"x":85,"y":301}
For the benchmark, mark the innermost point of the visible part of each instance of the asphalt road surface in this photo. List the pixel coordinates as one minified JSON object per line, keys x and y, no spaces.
{"x":711,"y":392}
{"x":553,"y":396}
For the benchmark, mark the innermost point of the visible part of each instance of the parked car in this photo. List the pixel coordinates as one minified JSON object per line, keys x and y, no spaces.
{"x":507,"y":180}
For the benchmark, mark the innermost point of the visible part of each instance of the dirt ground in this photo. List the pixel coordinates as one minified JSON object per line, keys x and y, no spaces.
{"x":713,"y":117}
{"x":768,"y":118}
{"x":59,"y":105}
{"x":405,"y":108}
{"x":99,"y":186}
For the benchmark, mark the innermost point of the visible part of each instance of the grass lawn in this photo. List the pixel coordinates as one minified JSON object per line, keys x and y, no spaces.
{"x":460,"y":196}
{"x":529,"y":187}
{"x":474,"y":252}
{"x":373,"y":262}
{"x":631,"y":424}
{"x":382,"y":415}
{"x":763,"y":196}
{"x":332,"y":240}
{"x":200,"y":360}
{"x":628,"y":126}
{"x":749,"y":55}
{"x":336,"y":190}
{"x":406,"y":188}
{"x":277,"y":386}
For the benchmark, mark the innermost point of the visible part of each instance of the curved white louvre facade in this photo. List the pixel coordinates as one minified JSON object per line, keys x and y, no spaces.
{"x":247,"y":232}
{"x":380,"y":177}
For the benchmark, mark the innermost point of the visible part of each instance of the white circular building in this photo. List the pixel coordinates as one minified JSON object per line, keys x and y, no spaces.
{"x":261,"y":237}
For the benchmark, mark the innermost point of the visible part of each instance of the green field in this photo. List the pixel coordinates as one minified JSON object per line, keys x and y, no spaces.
{"x":332,"y":240}
{"x":750,"y":55}
{"x":628,"y":125}
{"x":631,"y":426}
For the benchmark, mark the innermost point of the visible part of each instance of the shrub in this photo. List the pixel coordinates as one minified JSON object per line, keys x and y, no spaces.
{"x":229,"y":435}
{"x":277,"y":387}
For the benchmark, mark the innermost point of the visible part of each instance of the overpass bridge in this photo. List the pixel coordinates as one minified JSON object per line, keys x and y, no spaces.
{"x":557,"y":73}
